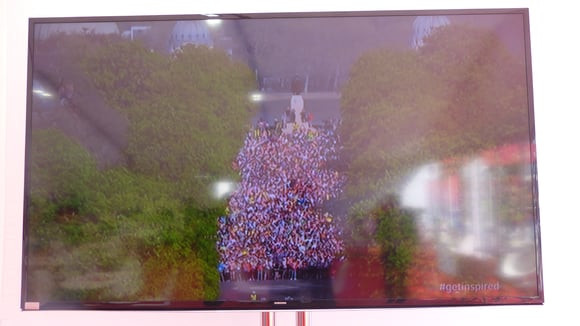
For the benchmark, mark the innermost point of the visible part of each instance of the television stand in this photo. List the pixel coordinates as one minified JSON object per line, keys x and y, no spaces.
{"x":269,"y":318}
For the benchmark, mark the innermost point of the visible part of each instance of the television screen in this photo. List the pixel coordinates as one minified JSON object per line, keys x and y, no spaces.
{"x":281,"y":161}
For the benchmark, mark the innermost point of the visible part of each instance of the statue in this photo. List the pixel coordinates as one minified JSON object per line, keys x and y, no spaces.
{"x":296,"y":101}
{"x":297,"y":106}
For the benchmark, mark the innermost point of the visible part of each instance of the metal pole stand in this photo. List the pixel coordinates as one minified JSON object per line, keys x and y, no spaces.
{"x":269,"y":318}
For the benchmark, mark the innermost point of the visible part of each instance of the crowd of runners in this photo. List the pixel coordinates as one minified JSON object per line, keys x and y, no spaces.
{"x":276,"y":225}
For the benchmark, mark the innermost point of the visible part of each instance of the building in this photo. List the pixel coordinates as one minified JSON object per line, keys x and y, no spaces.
{"x":189,"y":32}
{"x":423,"y":26}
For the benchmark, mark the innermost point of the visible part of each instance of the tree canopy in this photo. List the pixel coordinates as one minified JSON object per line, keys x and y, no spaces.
{"x":188,"y":114}
{"x":139,"y":223}
{"x":461,"y":92}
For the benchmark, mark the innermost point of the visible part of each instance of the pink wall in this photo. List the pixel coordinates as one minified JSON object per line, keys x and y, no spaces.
{"x":556,"y":71}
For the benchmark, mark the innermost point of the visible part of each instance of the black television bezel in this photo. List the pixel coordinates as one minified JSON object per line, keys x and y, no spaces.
{"x":280,"y":305}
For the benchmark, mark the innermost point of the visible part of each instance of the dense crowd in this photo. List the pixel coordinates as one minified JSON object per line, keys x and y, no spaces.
{"x":275,"y":225}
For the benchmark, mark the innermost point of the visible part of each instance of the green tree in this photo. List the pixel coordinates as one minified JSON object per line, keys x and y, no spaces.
{"x":60,"y":169}
{"x":149,"y":216}
{"x":460,"y":93}
{"x":383,"y":105}
{"x":123,"y":228}
{"x":396,"y":236}
{"x":61,"y":176}
{"x":485,"y":86}
{"x":385,"y":225}
{"x":188,"y":113}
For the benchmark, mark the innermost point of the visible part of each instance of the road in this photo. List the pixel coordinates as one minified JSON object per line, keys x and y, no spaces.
{"x":277,"y":290}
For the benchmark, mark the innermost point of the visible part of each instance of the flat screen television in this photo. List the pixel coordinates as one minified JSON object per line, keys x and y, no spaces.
{"x":267,"y":161}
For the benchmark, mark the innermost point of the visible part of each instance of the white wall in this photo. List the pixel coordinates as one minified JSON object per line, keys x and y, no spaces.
{"x":556,"y":71}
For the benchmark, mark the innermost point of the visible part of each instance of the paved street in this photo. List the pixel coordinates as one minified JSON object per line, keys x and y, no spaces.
{"x":277,"y":290}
